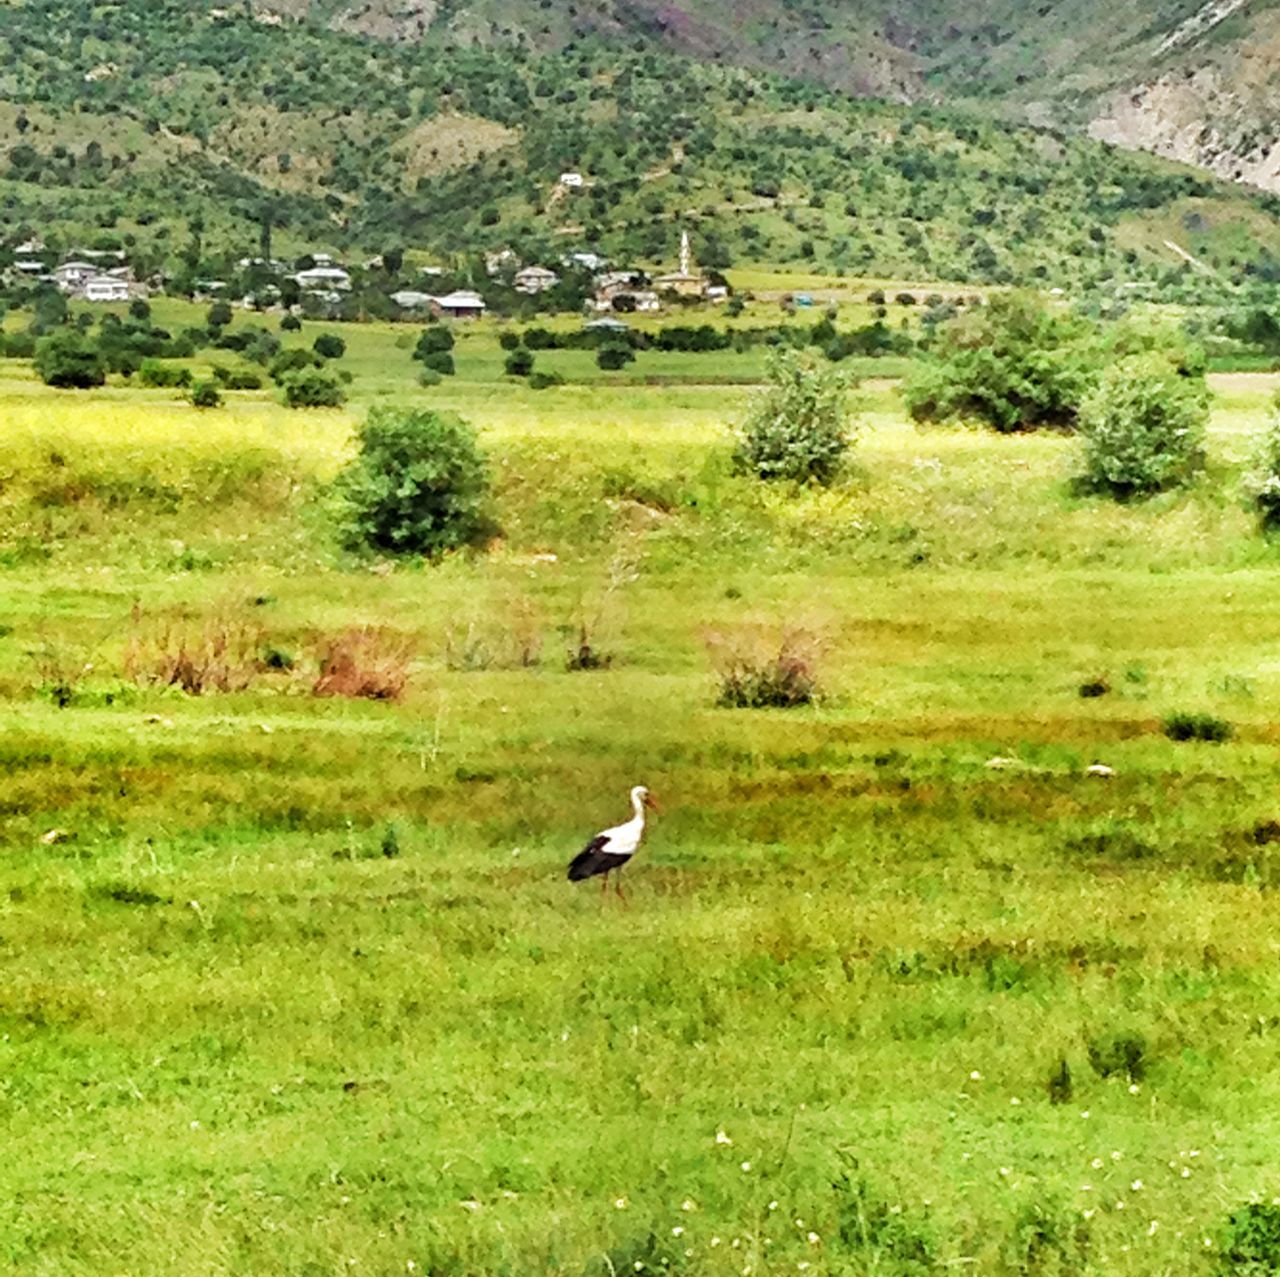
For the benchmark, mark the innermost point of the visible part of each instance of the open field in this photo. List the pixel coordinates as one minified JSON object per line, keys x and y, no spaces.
{"x":303,"y":990}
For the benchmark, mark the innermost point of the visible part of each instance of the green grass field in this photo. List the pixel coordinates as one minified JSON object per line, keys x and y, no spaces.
{"x":297,"y":985}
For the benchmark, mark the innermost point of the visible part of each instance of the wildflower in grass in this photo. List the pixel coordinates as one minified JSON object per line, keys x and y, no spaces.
{"x":1186,"y":1172}
{"x":1084,"y":1113}
{"x":715,"y":1241}
{"x":975,"y":1076}
{"x":1116,"y":1156}
{"x":620,"y":1203}
{"x":688,"y":1252}
{"x":1004,"y":1170}
{"x":895,"y":1209}
{"x":813,"y":1239}
{"x":1088,"y":1214}
{"x":1151,"y":1228}
{"x":687,"y":1204}
{"x":1134,"y":1088}
{"x":1120,"y":1204}
{"x":746,"y":1167}
{"x":1195,"y":1152}
{"x":677,"y":1231}
{"x":722,"y":1138}
{"x":1136,"y":1186}
{"x":1097,"y":1163}
{"x":1015,"y":1101}
{"x":773,"y":1205}
{"x":803,"y":1265}
{"x":799,"y":1223}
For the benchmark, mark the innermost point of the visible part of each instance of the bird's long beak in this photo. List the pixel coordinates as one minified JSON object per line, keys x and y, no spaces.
{"x":651,"y":801}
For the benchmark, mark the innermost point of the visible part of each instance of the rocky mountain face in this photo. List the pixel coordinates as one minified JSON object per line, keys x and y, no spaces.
{"x":1190,"y":80}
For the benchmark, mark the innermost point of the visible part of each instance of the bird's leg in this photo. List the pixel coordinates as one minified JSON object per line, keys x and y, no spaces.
{"x":604,"y":887}
{"x":617,"y":886}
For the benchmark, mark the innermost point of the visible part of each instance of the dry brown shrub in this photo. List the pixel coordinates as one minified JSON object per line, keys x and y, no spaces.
{"x":218,"y":654}
{"x":512,"y":640}
{"x":364,"y":663}
{"x":756,"y":671}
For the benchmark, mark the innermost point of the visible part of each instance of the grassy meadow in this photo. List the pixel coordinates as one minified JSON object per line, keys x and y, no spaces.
{"x":294,"y":984}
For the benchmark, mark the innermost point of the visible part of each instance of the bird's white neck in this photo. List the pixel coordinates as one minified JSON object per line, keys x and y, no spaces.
{"x":637,"y":806}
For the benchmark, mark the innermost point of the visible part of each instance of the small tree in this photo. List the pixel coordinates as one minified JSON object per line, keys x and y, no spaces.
{"x":614,"y":356}
{"x":329,"y":346}
{"x":1264,"y":486}
{"x":433,"y":340}
{"x":439,"y":362}
{"x":290,"y":324}
{"x":418,"y":485}
{"x":798,"y":428}
{"x":219,"y":315}
{"x":312,"y":388}
{"x":69,"y":361}
{"x":1143,"y":428}
{"x":205,"y":394}
{"x":519,"y":363}
{"x":1014,"y":365}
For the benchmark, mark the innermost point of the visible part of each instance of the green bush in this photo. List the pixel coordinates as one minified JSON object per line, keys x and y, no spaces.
{"x":419,"y":485}
{"x":1013,"y":365}
{"x":440,"y":362}
{"x":1183,"y":726}
{"x":519,"y":363}
{"x":160,"y":375}
{"x":544,"y":380}
{"x":205,"y":394}
{"x":329,"y":346}
{"x":798,"y":428}
{"x":433,"y":340}
{"x":1264,"y":487}
{"x":238,"y":378}
{"x":1144,"y":428}
{"x":69,"y":361}
{"x":288,"y":362}
{"x":312,"y":388}
{"x":1251,"y":1240}
{"x":614,"y":355}
{"x":291,"y":324}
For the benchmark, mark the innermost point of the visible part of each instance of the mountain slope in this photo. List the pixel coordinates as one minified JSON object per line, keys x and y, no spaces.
{"x":1188,"y":79}
{"x":189,"y":138}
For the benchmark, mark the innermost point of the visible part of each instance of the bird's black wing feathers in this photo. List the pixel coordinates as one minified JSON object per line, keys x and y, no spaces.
{"x":591,"y":860}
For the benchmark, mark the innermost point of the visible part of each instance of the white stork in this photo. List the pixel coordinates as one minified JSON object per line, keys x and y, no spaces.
{"x":612,"y":848}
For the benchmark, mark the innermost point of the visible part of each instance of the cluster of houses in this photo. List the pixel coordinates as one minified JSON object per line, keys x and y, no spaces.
{"x":88,"y":275}
{"x":106,"y":276}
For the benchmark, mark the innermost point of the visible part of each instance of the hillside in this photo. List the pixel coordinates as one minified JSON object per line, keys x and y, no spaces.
{"x":184,"y":138}
{"x":1187,"y":79}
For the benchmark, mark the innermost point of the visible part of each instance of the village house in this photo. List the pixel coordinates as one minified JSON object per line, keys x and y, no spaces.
{"x":70,"y":276}
{"x":572,"y":181}
{"x":105,"y":288}
{"x":411,"y":299}
{"x":535,"y":279}
{"x":461,"y":304}
{"x":625,"y":289}
{"x":325,"y":279}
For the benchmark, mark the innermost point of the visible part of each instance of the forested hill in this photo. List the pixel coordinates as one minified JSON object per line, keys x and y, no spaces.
{"x":182,"y":136}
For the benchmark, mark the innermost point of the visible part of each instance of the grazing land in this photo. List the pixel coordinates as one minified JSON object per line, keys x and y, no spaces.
{"x":294,"y":984}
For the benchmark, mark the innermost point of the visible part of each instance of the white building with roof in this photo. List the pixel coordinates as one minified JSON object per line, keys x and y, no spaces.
{"x":460,"y":304}
{"x":323,"y":279}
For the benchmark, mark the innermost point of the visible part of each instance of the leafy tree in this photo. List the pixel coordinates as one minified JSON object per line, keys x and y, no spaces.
{"x":519,"y":363}
{"x":290,"y":324}
{"x":205,"y":394}
{"x":433,"y":340}
{"x":329,"y":346}
{"x":614,"y":356}
{"x":312,"y":388}
{"x":219,"y":315}
{"x":69,"y":360}
{"x":1015,"y":365}
{"x":418,"y":485}
{"x":1144,"y":427}
{"x":439,"y":362}
{"x":798,"y":427}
